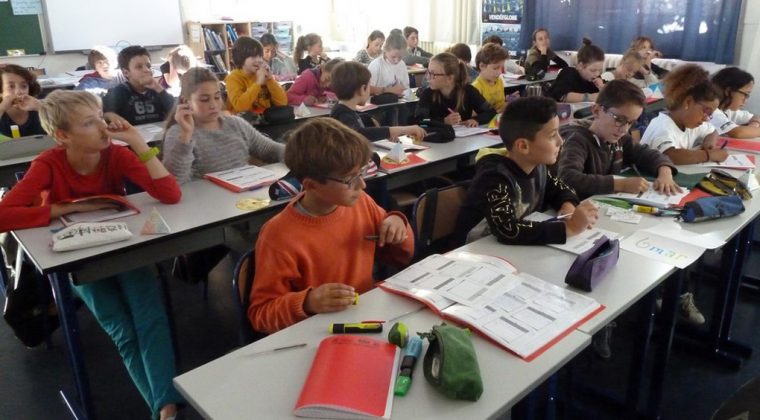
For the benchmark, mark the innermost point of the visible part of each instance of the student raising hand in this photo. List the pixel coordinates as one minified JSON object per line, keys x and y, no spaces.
{"x":184,"y":118}
{"x":329,"y":297}
{"x":392,"y":231}
{"x":584,"y":217}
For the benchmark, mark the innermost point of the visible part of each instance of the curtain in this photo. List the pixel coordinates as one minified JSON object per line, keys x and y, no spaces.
{"x":694,"y":30}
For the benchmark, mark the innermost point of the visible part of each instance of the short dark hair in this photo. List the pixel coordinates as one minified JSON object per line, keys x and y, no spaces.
{"x":619,"y":92}
{"x":524,"y":118}
{"x":268,"y":39}
{"x":490,"y":53}
{"x":409,"y":30}
{"x":730,"y":80}
{"x":461,"y":51}
{"x":127,"y":54}
{"x":348,"y":77}
{"x":243,"y":48}
{"x":24,"y":73}
{"x":94,"y":56}
{"x":494,"y":39}
{"x":324,"y":147}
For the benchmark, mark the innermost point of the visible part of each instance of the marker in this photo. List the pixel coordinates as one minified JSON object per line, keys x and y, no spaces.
{"x":15,"y":132}
{"x":645,"y":209}
{"x":372,"y":237}
{"x":723,"y":146}
{"x":451,"y":111}
{"x":404,"y":379}
{"x":357,"y":328}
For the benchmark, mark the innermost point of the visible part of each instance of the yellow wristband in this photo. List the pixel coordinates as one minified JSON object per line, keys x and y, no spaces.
{"x":148,"y":154}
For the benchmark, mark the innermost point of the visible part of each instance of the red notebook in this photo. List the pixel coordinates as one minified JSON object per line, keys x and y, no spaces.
{"x":742,"y":145}
{"x":122,"y":208}
{"x":245,"y":178}
{"x":351,"y":377}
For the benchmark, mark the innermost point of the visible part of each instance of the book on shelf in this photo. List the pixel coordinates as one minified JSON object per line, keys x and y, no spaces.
{"x":351,"y":377}
{"x":121,"y":208}
{"x":519,"y":312}
{"x":245,"y":178}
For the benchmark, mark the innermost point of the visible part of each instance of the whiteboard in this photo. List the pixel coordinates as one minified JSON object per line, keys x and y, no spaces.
{"x":80,"y":24}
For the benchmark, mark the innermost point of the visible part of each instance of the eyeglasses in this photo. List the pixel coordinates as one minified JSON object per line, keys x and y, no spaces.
{"x":432,"y":75}
{"x":746,"y":94}
{"x":707,"y":111}
{"x":620,"y":121}
{"x":353,"y":181}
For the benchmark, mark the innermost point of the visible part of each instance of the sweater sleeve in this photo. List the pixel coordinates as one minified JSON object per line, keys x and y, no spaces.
{"x":164,"y":189}
{"x":259,"y":145}
{"x":178,"y":156}
{"x":273,"y":305}
{"x":557,"y":192}
{"x":558,"y":60}
{"x":398,"y":255}
{"x":644,"y":157}
{"x":299,"y":90}
{"x":371,"y":133}
{"x":501,"y":215}
{"x":240,"y":98}
{"x":572,"y":162}
{"x":18,"y":209}
{"x":277,"y":93}
{"x":167,"y":101}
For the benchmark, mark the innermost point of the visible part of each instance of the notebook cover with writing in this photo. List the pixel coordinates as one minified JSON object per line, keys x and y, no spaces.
{"x":351,"y":377}
{"x":743,"y":145}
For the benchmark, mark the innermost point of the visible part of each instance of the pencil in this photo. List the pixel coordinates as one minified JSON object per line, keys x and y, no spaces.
{"x":636,"y":170}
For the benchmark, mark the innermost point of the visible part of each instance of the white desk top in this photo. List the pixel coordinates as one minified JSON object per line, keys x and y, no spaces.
{"x":237,"y":385}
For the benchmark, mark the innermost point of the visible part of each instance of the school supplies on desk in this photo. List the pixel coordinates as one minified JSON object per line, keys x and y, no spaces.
{"x":87,"y":235}
{"x":577,"y":244}
{"x":405,"y":142}
{"x":245,"y":178}
{"x":522,"y":313}
{"x":359,"y":108}
{"x":652,"y":198}
{"x":121,"y":208}
{"x":464,"y":131}
{"x":351,"y":377}
{"x":411,"y":160}
{"x":738,"y":161}
{"x":742,"y":145}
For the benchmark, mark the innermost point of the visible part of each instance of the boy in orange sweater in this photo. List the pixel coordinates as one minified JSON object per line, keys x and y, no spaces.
{"x":319,"y":251}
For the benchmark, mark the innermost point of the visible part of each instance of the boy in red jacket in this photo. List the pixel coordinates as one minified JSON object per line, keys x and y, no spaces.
{"x":128,"y":306}
{"x":318,"y":252}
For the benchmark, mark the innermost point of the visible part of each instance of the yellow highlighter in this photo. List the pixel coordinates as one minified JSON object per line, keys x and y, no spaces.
{"x":15,"y":132}
{"x":357,"y":328}
{"x":645,"y":209}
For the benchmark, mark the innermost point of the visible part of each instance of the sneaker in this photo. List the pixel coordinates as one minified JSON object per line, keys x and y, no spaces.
{"x":689,"y":311}
{"x":601,"y":341}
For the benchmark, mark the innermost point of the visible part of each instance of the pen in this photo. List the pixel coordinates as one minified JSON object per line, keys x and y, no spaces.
{"x":372,"y":237}
{"x":404,"y":379}
{"x":560,"y":217}
{"x":357,"y":328}
{"x":451,"y":111}
{"x":723,"y":146}
{"x":636,"y":170}
{"x":275,"y":350}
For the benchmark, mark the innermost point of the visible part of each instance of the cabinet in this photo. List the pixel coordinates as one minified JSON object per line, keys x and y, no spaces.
{"x":213,"y":40}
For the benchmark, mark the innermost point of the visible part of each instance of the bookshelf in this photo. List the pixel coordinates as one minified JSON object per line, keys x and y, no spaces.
{"x":213,"y":40}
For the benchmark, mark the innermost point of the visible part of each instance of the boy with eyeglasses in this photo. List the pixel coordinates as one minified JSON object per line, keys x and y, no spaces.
{"x":318,"y":253}
{"x":597,"y":149}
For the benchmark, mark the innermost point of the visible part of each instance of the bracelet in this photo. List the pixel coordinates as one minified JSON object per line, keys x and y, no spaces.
{"x":148,"y":154}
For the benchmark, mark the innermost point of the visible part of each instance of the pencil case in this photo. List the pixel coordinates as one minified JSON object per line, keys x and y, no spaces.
{"x":451,"y":364}
{"x":707,"y":208}
{"x":590,"y":267}
{"x":720,"y":183}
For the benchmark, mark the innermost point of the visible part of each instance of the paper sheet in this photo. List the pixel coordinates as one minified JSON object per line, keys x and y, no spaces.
{"x":661,"y":248}
{"x":577,"y":244}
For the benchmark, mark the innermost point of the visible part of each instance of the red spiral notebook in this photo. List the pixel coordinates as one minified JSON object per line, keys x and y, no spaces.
{"x":351,"y":377}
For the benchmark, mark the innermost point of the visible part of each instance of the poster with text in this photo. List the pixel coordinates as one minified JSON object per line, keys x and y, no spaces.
{"x":503,"y":18}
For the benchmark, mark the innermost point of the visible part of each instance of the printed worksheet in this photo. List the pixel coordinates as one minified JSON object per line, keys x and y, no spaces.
{"x":577,"y":244}
{"x":652,"y":198}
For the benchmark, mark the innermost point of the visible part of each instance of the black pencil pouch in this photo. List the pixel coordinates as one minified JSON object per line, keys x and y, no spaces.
{"x":451,"y":364}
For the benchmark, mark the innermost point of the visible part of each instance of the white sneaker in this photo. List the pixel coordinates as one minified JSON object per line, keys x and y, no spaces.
{"x":689,"y":311}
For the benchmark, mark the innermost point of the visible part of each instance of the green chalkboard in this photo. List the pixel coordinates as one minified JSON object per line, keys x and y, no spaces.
{"x":19,"y":32}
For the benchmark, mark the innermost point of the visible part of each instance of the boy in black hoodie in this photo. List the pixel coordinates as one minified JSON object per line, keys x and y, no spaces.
{"x":507,"y":189}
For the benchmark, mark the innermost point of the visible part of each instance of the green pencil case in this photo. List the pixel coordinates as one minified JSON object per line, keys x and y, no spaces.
{"x":451,"y":364}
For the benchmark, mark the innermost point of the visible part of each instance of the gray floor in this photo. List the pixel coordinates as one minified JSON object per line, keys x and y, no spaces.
{"x":31,"y":378}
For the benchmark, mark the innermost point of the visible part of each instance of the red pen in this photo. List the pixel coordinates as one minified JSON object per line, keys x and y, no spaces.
{"x":725,"y":143}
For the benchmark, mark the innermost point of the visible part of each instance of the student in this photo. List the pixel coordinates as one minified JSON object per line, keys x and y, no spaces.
{"x":683,"y":133}
{"x":297,"y":279}
{"x":178,"y":61}
{"x":580,"y":83}
{"x":311,"y":44}
{"x":251,"y":86}
{"x":282,"y":67}
{"x":128,"y":306}
{"x":540,"y":55}
{"x":595,"y":150}
{"x":351,"y":86}
{"x":105,"y":75}
{"x":449,"y":98}
{"x":389,"y":72}
{"x":373,"y":49}
{"x":509,"y":66}
{"x":414,"y":54}
{"x":629,"y":65}
{"x":463,"y":53}
{"x":19,"y":104}
{"x":312,"y":85}
{"x":650,"y":73}
{"x":490,"y":62}
{"x":141,"y":99}
{"x":506,"y":189}
{"x":201,"y":139}
{"x":735,"y":86}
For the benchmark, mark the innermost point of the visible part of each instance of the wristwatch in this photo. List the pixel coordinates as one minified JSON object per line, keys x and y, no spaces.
{"x":148,"y":154}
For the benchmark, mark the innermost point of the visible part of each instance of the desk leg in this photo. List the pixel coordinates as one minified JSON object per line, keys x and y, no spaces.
{"x":638,"y":359}
{"x":743,"y":247}
{"x":81,"y":409}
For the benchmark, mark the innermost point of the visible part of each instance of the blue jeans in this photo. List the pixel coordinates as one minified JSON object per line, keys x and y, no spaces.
{"x":129,"y":308}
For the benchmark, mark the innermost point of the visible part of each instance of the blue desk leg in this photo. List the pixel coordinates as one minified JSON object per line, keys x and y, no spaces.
{"x":81,"y":409}
{"x":642,"y":348}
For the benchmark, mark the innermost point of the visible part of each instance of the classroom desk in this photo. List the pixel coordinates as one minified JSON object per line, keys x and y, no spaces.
{"x":238,"y":384}
{"x":549,"y":77}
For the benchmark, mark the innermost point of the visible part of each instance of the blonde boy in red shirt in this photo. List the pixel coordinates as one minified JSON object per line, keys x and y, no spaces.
{"x":319,"y":251}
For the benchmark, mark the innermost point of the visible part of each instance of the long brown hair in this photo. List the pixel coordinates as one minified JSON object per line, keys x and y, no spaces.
{"x":303,"y":44}
{"x":189,"y":82}
{"x":452,"y":66}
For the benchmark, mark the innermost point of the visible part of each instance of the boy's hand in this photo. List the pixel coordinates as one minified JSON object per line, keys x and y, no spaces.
{"x":717,"y":155}
{"x":262,"y":71}
{"x":584,"y":217}
{"x":329,"y":297}
{"x":633,"y":185}
{"x":415,"y":131}
{"x":452,"y":119}
{"x":599,"y":83}
{"x":184,"y":118}
{"x":154,"y":85}
{"x":27,"y":103}
{"x":470,"y":123}
{"x":664,"y":184}
{"x":126,"y":133}
{"x":392,"y":231}
{"x":566,"y":208}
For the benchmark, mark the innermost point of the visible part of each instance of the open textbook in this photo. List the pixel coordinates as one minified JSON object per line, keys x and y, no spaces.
{"x":522,"y":313}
